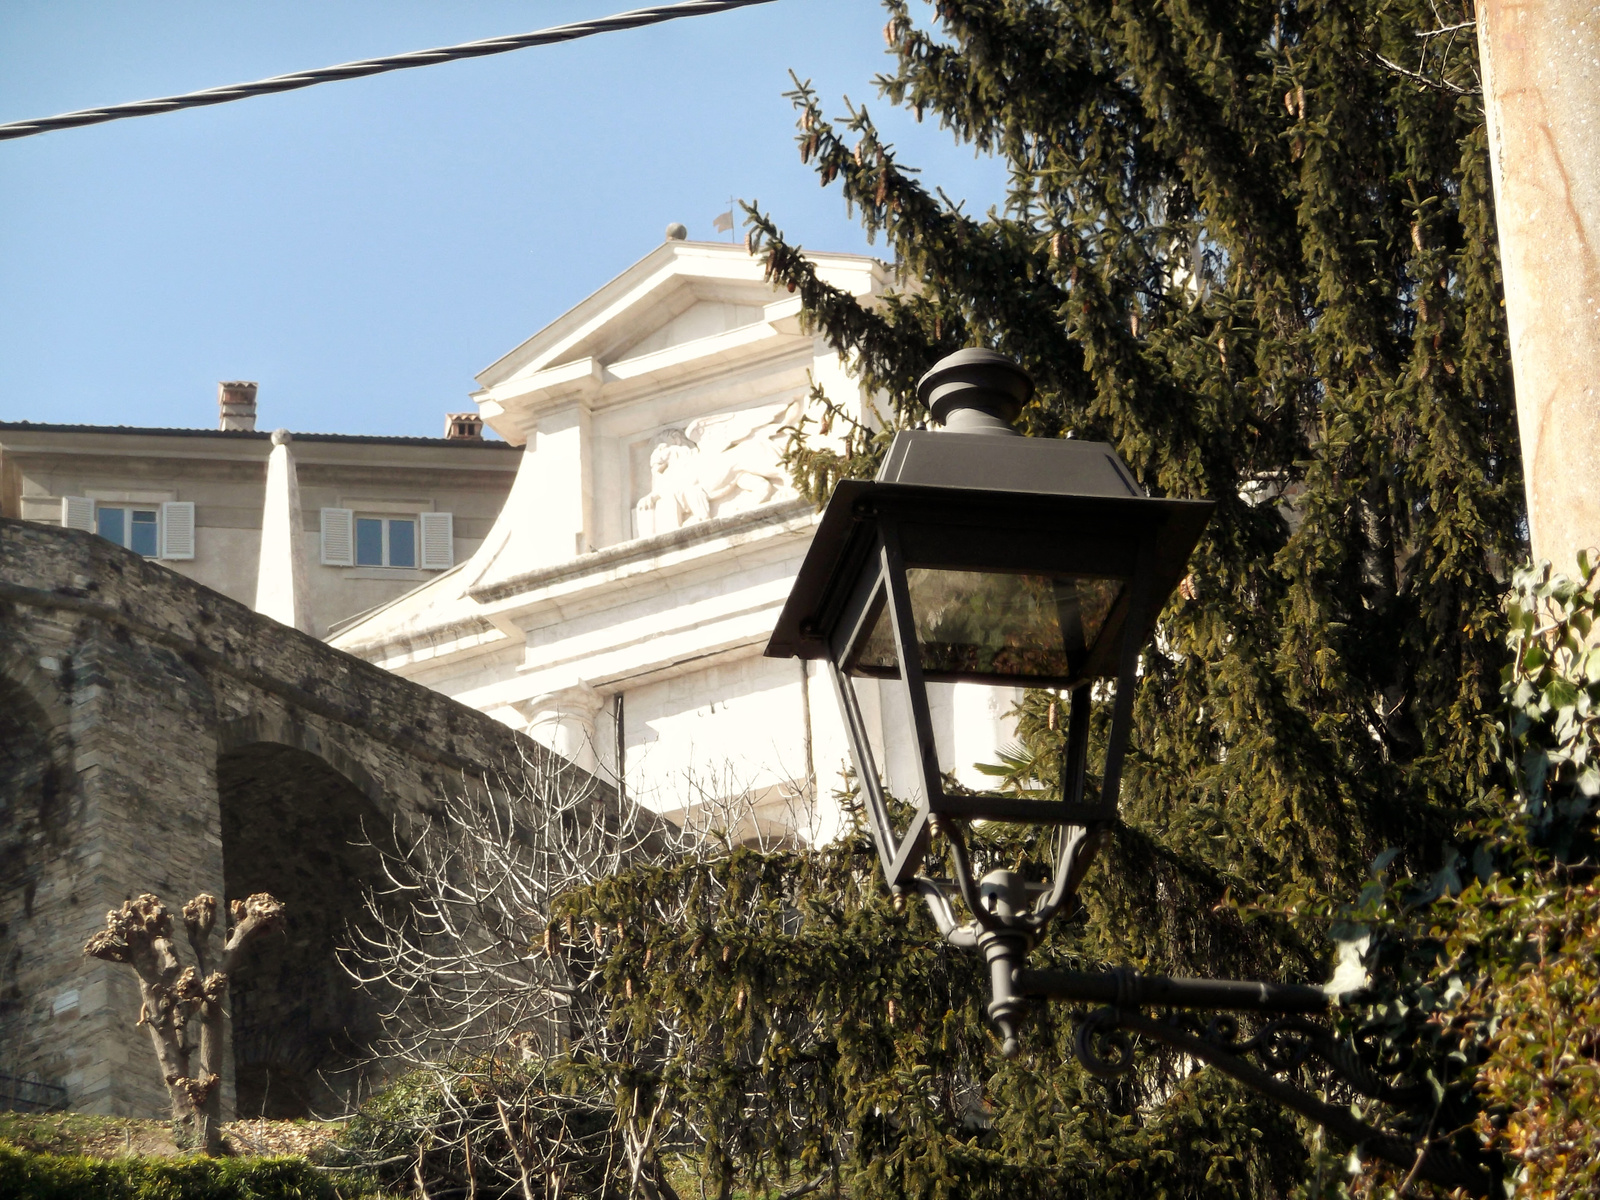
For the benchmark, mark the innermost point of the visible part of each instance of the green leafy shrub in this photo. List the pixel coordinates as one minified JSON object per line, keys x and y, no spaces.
{"x":1532,"y":932}
{"x":1486,"y":974}
{"x":27,"y":1176}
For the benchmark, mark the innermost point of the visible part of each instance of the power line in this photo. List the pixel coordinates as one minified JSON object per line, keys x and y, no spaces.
{"x":376,"y":66}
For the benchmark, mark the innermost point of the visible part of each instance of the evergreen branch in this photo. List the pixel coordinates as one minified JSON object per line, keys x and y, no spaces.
{"x":1437,"y":84}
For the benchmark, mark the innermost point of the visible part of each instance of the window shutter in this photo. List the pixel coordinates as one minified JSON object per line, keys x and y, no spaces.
{"x":338,"y":537}
{"x":177,"y":529}
{"x":438,"y":541}
{"x":77,"y":512}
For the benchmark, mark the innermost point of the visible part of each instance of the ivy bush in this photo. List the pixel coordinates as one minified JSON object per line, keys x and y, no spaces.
{"x":1488,"y":971}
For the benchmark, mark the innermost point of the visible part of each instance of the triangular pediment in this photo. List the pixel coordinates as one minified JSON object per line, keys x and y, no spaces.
{"x":680,"y":292}
{"x":685,"y":307}
{"x":703,"y":318}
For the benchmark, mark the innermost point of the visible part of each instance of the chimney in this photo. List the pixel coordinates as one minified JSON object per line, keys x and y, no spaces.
{"x":237,"y":400}
{"x":463,"y":427}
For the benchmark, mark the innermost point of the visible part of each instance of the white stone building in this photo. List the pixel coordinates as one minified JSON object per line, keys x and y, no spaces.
{"x":619,"y":608}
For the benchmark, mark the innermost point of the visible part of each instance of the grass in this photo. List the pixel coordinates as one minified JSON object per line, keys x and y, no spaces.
{"x":86,"y":1134}
{"x":31,"y":1175}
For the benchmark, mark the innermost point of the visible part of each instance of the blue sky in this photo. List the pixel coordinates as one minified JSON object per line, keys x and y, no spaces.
{"x":363,"y":248}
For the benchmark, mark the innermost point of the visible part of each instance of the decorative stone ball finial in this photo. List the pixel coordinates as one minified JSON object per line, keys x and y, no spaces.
{"x":281,"y":437}
{"x":677,"y":232}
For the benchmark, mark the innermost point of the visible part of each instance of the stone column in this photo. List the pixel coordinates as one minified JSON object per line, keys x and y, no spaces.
{"x":281,"y":575}
{"x":1541,"y":88}
{"x":565,"y":721}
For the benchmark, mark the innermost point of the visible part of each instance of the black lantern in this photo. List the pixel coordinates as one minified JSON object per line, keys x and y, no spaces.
{"x":978,"y":555}
{"x":981,"y":556}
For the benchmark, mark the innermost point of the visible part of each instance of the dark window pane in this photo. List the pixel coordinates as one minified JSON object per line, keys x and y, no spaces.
{"x":142,"y":539}
{"x":369,"y":542}
{"x":108,"y":524}
{"x":402,"y":543}
{"x":976,"y":624}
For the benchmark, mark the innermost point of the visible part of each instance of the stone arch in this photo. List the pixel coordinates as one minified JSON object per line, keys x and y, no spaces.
{"x":294,"y":814}
{"x":39,"y":804}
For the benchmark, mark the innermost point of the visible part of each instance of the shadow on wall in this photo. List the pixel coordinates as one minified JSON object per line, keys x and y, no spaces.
{"x":35,"y":811}
{"x":293,"y":826}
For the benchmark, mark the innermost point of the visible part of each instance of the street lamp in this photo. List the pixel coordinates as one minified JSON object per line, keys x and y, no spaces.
{"x":981,"y":556}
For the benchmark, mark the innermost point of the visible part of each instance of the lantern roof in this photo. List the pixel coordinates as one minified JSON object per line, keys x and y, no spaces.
{"x":1034,"y":504}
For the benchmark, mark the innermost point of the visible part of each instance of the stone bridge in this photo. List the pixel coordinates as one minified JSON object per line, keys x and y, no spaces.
{"x":156,"y":736}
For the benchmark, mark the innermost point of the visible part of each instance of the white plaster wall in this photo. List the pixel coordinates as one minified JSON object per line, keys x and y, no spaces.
{"x":741,"y":726}
{"x":689,"y":332}
{"x":705,"y":319}
{"x":621,"y":472}
{"x":735,"y":726}
{"x":971,"y":722}
{"x":561,"y":487}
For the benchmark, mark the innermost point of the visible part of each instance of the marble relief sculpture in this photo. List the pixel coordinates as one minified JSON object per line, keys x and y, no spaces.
{"x":716,"y":466}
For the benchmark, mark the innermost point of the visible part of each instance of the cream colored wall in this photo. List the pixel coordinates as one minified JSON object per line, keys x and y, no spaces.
{"x":225,"y":479}
{"x":226,"y":490}
{"x":407,"y":484}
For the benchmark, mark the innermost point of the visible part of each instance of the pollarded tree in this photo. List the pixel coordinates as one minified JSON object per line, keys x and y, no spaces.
{"x":183,"y":1006}
{"x":1252,"y":245}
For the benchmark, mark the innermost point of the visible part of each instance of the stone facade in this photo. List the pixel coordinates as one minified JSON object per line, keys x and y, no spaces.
{"x":619,"y":608}
{"x":158,"y":736}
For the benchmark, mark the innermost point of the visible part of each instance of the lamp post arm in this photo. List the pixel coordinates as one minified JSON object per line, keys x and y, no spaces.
{"x":961,"y":861}
{"x":1079,"y":845}
{"x":1125,"y":989}
{"x":962,"y":937}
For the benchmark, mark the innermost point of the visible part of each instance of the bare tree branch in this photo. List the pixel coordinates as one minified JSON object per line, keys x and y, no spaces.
{"x":480,"y":992}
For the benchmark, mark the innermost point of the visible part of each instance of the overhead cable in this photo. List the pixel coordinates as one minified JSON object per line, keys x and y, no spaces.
{"x":653,"y":15}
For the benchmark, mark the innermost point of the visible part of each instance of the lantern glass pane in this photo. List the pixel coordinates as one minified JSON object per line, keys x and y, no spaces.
{"x":988,"y":625}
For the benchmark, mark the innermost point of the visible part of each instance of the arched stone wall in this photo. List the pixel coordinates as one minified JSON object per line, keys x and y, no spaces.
{"x":295,"y":827}
{"x":171,"y":741}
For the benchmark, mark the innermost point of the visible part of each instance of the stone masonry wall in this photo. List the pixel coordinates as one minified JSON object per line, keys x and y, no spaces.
{"x":122,"y":686}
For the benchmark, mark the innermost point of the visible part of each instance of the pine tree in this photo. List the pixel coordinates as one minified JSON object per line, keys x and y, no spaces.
{"x":1263,"y":266}
{"x":1261,"y":262}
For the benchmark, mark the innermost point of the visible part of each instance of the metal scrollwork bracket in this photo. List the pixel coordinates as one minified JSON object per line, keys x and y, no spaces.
{"x":1007,"y":921}
{"x":1104,"y":1045}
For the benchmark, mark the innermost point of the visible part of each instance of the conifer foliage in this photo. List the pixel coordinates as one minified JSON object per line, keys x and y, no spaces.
{"x":1262,"y":264}
{"x":1258,"y":259}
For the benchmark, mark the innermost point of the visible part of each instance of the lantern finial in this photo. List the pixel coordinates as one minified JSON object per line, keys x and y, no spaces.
{"x":975,"y":391}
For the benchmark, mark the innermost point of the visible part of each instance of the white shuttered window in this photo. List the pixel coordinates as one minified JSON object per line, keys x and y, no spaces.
{"x":338,"y":537}
{"x":77,"y":512}
{"x":177,"y":529}
{"x":438,"y":541}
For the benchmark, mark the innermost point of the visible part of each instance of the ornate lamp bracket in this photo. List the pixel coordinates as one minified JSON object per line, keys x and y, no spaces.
{"x":1008,"y":922}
